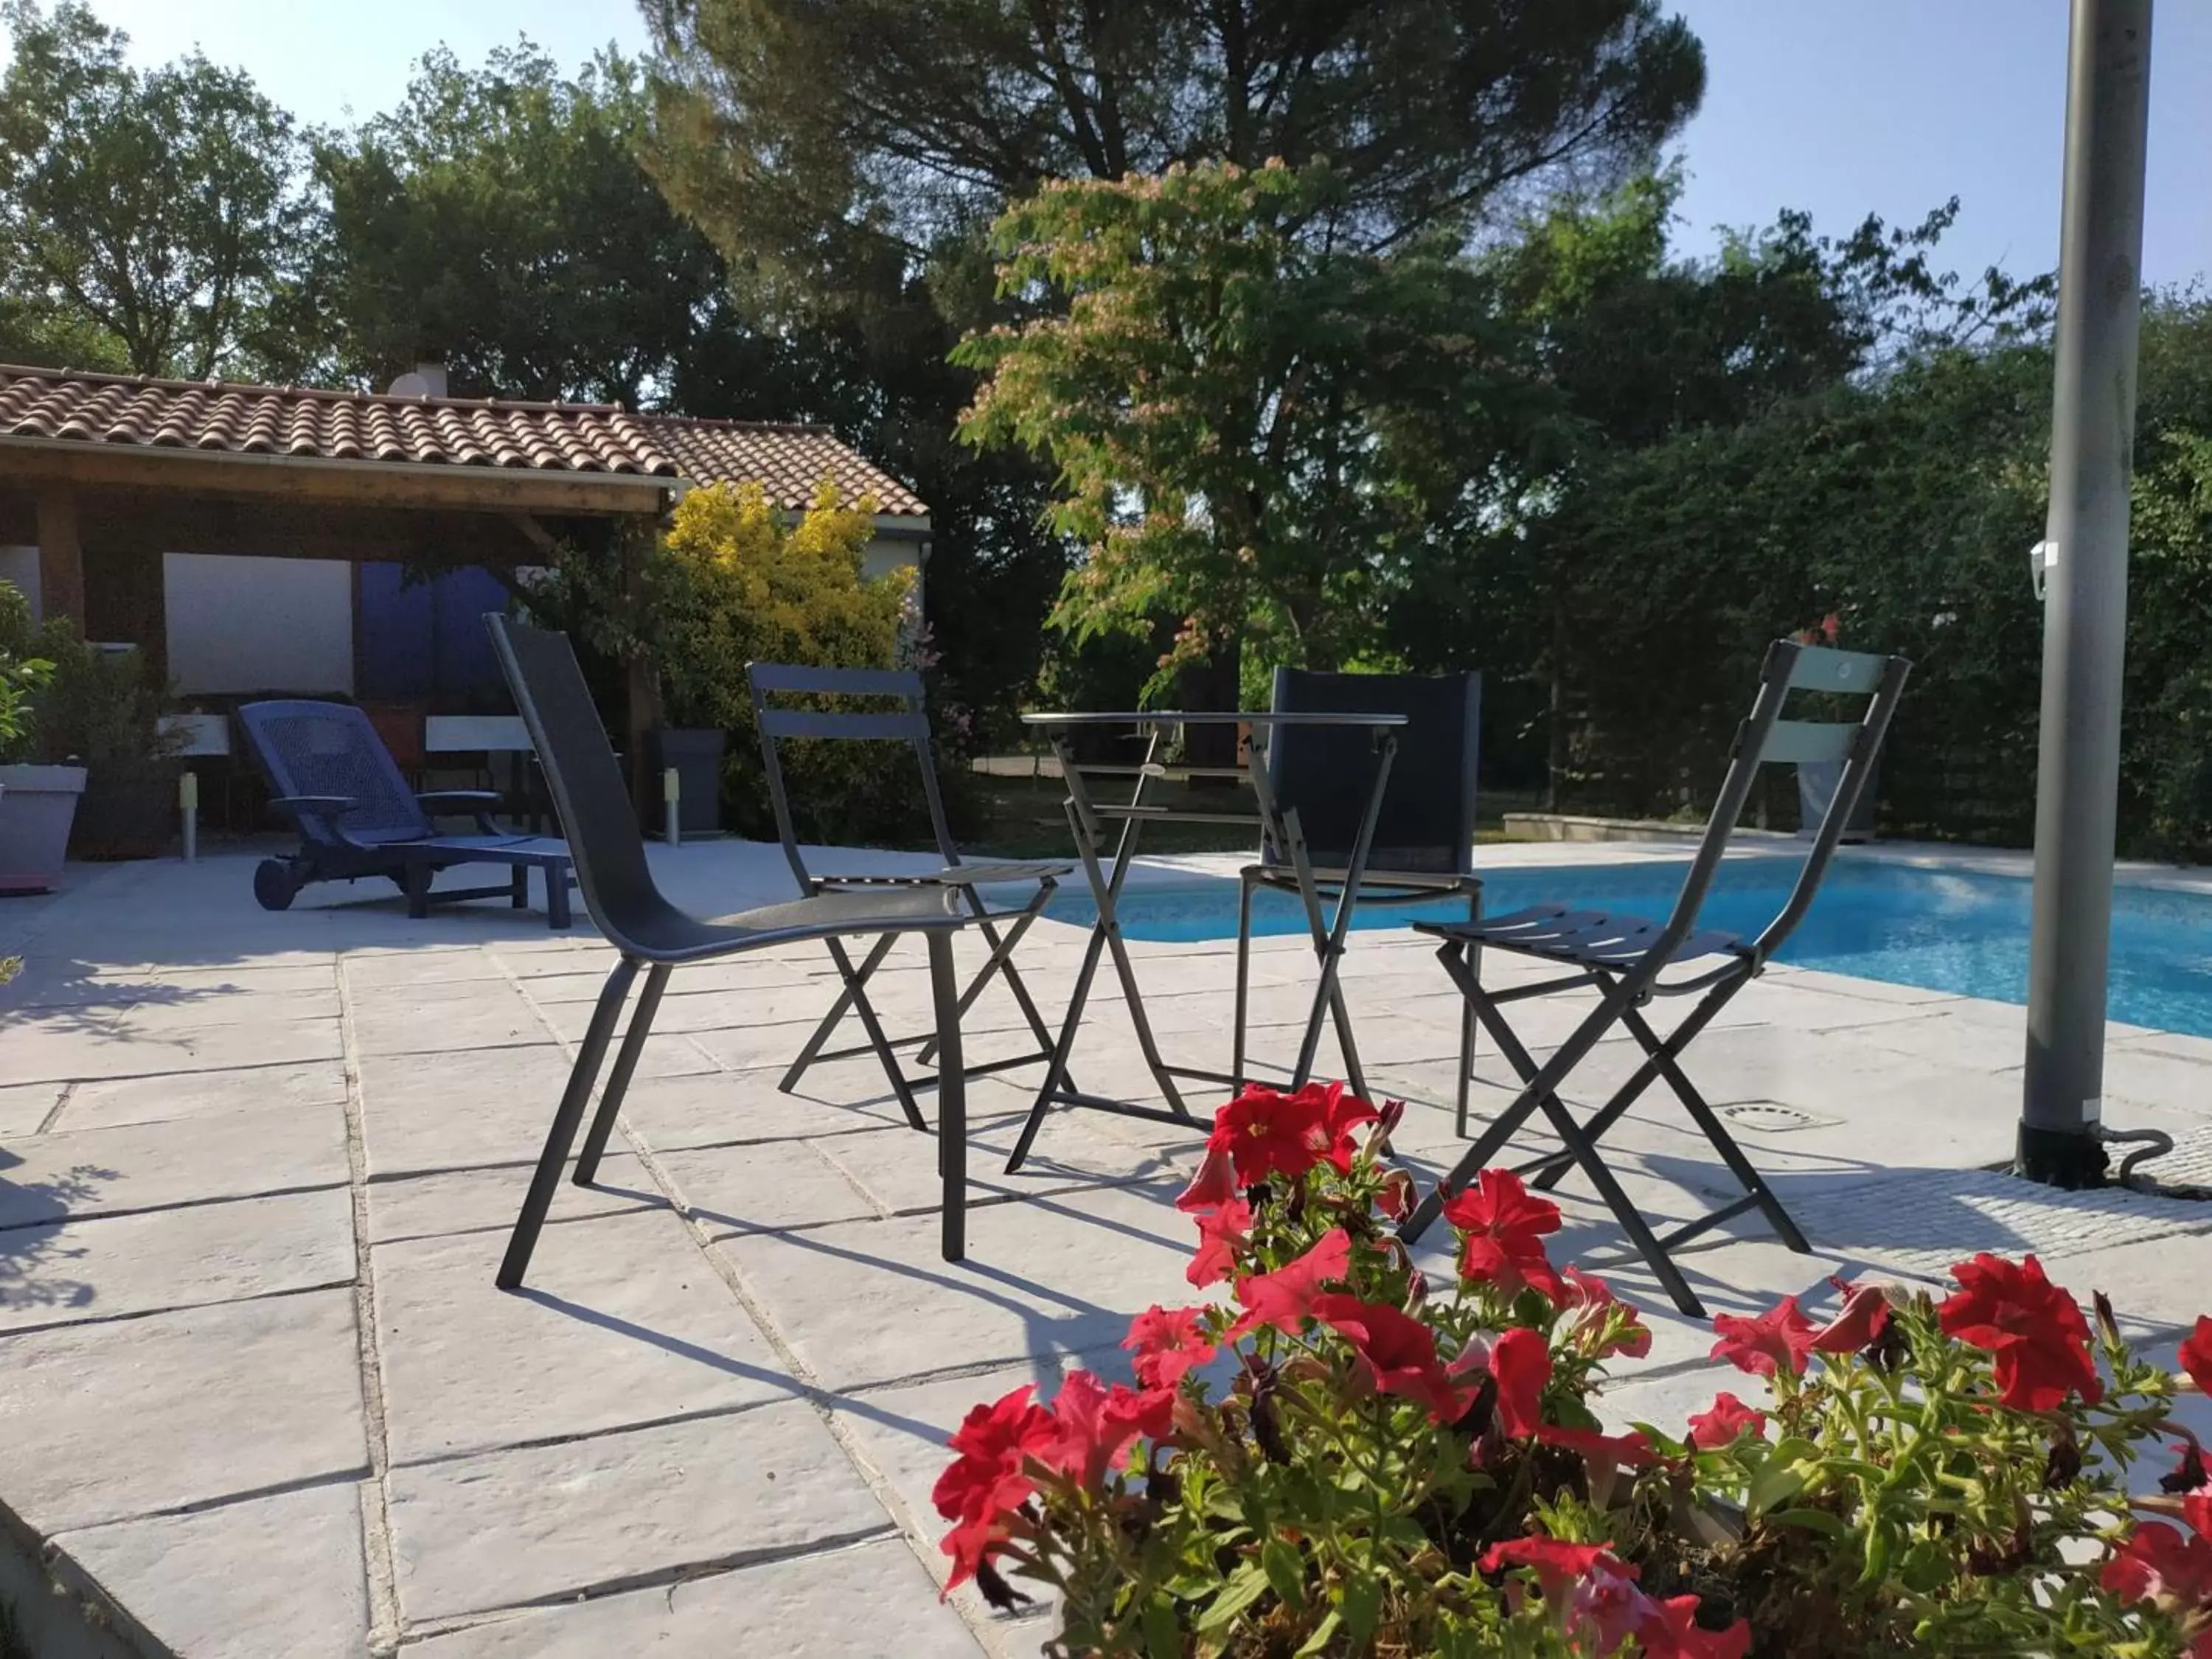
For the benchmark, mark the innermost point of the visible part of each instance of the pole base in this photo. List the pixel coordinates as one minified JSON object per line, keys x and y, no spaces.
{"x":2072,"y":1159}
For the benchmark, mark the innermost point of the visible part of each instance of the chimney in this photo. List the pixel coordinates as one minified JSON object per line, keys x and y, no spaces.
{"x":423,"y":381}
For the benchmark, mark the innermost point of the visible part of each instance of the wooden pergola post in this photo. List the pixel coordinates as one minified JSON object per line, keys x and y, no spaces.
{"x":61,"y":557}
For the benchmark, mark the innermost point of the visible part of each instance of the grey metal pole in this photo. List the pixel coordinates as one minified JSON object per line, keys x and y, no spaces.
{"x":2086,"y":602}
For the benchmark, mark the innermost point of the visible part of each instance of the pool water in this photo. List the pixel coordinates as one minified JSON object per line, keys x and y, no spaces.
{"x":1940,"y":930}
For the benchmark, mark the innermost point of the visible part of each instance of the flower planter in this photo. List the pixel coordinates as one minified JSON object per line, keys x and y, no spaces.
{"x":37,"y":805}
{"x":696,"y":755}
{"x":126,"y":813}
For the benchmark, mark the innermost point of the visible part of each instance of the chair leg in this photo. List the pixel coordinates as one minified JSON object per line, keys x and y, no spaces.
{"x":557,"y":914}
{"x":539,"y":1199}
{"x":828,"y":1023}
{"x":1243,"y":980}
{"x":951,"y":1096}
{"x":1472,"y":954}
{"x":417,"y":880}
{"x":518,"y":888}
{"x":626,"y":1057}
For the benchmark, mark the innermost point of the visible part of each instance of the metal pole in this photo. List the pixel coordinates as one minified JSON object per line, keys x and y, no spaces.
{"x":2085,"y":614}
{"x":671,"y":803}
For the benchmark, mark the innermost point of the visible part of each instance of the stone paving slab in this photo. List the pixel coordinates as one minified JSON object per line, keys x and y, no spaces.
{"x":622,"y":1323}
{"x":870,"y":1599}
{"x":266,"y":1575}
{"x":488,"y":1199}
{"x":107,"y":1103}
{"x":111,"y":1265}
{"x":753,"y":1260}
{"x":133,"y":1417}
{"x":550,"y":1523}
{"x":79,"y":1173}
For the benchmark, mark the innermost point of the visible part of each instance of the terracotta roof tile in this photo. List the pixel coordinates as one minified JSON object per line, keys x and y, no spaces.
{"x":789,"y":461}
{"x":256,"y":420}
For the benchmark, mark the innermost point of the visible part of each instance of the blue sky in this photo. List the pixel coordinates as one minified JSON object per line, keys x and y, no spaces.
{"x":1839,"y":106}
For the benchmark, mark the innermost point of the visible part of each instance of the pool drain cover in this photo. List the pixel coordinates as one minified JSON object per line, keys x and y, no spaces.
{"x":1767,"y":1117}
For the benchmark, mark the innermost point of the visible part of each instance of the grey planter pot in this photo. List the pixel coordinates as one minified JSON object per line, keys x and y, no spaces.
{"x":1816,"y":787}
{"x":37,"y":805}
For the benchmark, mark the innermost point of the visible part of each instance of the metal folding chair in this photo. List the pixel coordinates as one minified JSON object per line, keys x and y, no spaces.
{"x":1624,"y":957}
{"x":908,"y":722}
{"x":1422,"y":835}
{"x":594,"y":803}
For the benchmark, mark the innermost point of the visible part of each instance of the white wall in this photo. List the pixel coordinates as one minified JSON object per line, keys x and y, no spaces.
{"x":885,"y":554}
{"x":19,"y":565}
{"x":248,"y":624}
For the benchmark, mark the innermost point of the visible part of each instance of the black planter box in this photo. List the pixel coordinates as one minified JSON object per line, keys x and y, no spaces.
{"x":696,"y":755}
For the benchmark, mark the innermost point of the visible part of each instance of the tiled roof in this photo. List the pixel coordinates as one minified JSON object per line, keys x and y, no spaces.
{"x":789,"y":462}
{"x":340,"y":426}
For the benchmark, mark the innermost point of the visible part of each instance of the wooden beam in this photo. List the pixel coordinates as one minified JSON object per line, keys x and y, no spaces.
{"x":268,"y":528}
{"x":532,"y":532}
{"x":219,"y":472}
{"x":61,"y":557}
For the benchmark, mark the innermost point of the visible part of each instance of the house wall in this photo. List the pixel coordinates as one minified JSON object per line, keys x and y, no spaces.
{"x":19,"y":565}
{"x":885,"y":554}
{"x":254,"y":625}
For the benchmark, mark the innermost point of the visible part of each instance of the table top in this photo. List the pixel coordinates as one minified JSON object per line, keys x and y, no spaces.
{"x":1212,"y":717}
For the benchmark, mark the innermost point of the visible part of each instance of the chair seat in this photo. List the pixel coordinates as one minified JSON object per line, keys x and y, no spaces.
{"x":963,"y":875}
{"x":1427,"y":881}
{"x":1584,"y":938}
{"x":503,"y":849}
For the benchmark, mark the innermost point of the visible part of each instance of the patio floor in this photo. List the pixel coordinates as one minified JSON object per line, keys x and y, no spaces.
{"x":259,"y":1396}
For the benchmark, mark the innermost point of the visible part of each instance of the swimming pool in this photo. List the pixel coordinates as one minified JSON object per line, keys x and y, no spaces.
{"x":1938,"y":929}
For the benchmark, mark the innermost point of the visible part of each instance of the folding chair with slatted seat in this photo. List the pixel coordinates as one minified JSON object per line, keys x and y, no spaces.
{"x":1422,"y":844}
{"x":907,"y":722}
{"x":332,"y":776}
{"x":1625,"y":958}
{"x":593,"y":804}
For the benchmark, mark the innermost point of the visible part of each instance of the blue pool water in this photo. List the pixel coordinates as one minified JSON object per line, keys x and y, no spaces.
{"x":1937,"y":929}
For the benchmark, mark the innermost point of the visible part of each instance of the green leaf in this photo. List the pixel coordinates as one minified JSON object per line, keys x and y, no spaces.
{"x":1317,"y":1644}
{"x":1820,"y":1521}
{"x":1163,"y":1631}
{"x":1361,"y":1602}
{"x":1246,"y":1585}
{"x":1286,"y":1570}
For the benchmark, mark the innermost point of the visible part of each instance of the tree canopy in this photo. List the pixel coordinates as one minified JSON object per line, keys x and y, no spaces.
{"x":157,"y":221}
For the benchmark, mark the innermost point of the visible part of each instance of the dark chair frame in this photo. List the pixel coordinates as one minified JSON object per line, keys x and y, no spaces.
{"x":593,"y":804}
{"x":345,"y":837}
{"x":1624,"y":957}
{"x":1325,"y":868}
{"x":907,"y":723}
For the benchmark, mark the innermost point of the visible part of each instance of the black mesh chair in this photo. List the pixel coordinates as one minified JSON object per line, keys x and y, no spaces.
{"x":1423,"y":846}
{"x":1625,"y":958}
{"x":594,"y":808}
{"x":906,"y":722}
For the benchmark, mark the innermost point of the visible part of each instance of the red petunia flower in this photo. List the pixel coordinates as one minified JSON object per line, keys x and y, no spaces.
{"x":1670,"y":1630}
{"x":1633,"y":1450}
{"x":1728,"y":1418}
{"x":1213,"y":1185}
{"x":1342,"y":1115}
{"x":1864,"y":1315}
{"x":1776,"y":1340}
{"x":1285,"y":1297}
{"x":2197,"y":1354}
{"x":2160,"y":1563}
{"x":1396,"y":1199}
{"x":1501,"y":1229}
{"x":1095,"y":1425}
{"x":1168,"y":1342}
{"x":2197,"y":1510}
{"x":1220,"y":1234}
{"x":2034,"y":1329}
{"x":1556,"y":1563}
{"x":1587,"y":1291}
{"x":1520,"y":1360}
{"x":1264,"y":1132}
{"x":1399,"y":1352}
{"x":990,"y":1479}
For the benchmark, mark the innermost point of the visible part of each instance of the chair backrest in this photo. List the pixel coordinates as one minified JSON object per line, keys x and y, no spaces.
{"x":1765,"y":736}
{"x":604,"y":843}
{"x":1426,"y":824}
{"x":308,"y":748}
{"x":907,"y":722}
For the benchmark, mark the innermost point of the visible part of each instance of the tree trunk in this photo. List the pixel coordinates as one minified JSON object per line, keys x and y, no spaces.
{"x":1211,"y":685}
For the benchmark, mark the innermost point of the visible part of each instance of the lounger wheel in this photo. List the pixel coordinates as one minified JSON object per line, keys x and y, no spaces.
{"x":275,"y":885}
